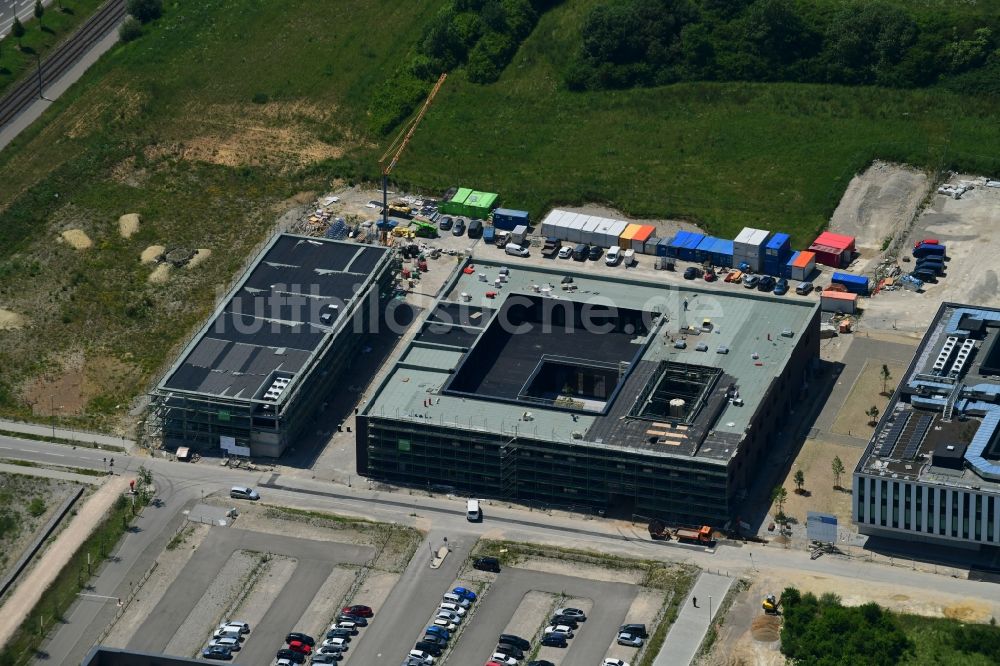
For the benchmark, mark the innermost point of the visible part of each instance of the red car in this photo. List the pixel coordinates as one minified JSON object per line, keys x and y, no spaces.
{"x":300,"y":647}
{"x":360,"y":611}
{"x":926,"y":241}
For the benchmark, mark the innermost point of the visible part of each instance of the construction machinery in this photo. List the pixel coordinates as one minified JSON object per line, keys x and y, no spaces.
{"x":391,"y":156}
{"x":658,"y":531}
{"x":771,"y":605}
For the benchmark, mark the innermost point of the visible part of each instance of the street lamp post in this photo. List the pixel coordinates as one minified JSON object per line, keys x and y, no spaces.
{"x":38,"y":60}
{"x":710,"y":610}
{"x":52,"y":413}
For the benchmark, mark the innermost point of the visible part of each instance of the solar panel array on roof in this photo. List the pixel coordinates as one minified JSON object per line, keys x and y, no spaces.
{"x":891,"y":436}
{"x":917,"y":436}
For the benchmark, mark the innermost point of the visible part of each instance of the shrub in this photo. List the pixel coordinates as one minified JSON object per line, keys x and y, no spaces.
{"x":36,"y":507}
{"x":145,"y":10}
{"x":130,"y":29}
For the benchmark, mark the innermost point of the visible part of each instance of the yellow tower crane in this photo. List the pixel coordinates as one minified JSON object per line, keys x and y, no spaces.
{"x":396,"y":148}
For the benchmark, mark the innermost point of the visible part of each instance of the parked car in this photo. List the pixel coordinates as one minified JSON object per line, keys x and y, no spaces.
{"x":487,"y":564}
{"x":294,"y":657}
{"x":511,"y":639}
{"x":300,"y":647}
{"x":435,"y":639}
{"x":459,"y":227}
{"x":475,"y":229}
{"x":226,"y":642}
{"x":580,"y":252}
{"x":572,"y":612}
{"x":217,"y":652}
{"x":339,"y":632}
{"x":595,"y":252}
{"x":423,"y":656}
{"x":565,"y":252}
{"x":559,"y":629}
{"x":751,"y":281}
{"x":540,"y":662}
{"x":454,"y":618}
{"x":337,"y":642}
{"x":766,"y":283}
{"x":239,"y":624}
{"x":690,"y":273}
{"x":445,"y":624}
{"x":445,"y":223}
{"x":629,"y":640}
{"x":804,"y":288}
{"x":438,"y":631}
{"x":356,"y":619}
{"x":242,"y":492}
{"x":608,"y":661}
{"x":781,"y":287}
{"x":510,"y":650}
{"x":555,"y":640}
{"x":634,"y":629}
{"x":432,"y":649}
{"x":454,"y":608}
{"x":359,"y":610}
{"x":332,"y":658}
{"x":568,"y":620}
{"x":299,"y":636}
{"x":465,"y":593}
{"x":614,"y":256}
{"x":332,"y":649}
{"x":502,"y":658}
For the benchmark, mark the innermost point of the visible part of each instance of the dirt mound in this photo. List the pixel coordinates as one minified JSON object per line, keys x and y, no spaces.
{"x":77,"y":238}
{"x":151,"y":254}
{"x":128,"y":224}
{"x":10,"y":320}
{"x":766,"y":628}
{"x":200,"y":255}
{"x":967,"y":612}
{"x":160,"y":274}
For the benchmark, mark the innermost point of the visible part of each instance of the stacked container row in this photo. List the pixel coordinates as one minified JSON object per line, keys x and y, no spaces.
{"x":721,"y":253}
{"x":594,"y":230}
{"x":838,"y":301}
{"x":685,"y":245}
{"x":800,"y":266}
{"x":748,"y":247}
{"x":776,"y":254}
{"x":507,"y":218}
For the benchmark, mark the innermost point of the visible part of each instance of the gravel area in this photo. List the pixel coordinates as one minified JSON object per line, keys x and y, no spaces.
{"x":582,"y":570}
{"x":169,"y":565}
{"x":270,"y":581}
{"x":644,"y":608}
{"x":220,"y":595}
{"x":327,"y":602}
{"x":531,"y":615}
{"x":558,"y":655}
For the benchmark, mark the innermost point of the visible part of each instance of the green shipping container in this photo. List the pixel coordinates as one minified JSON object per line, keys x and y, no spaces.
{"x":456,"y":205}
{"x":480,"y":204}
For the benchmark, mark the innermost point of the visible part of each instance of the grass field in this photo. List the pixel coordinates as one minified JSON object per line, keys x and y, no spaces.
{"x":934,"y":645}
{"x":227,"y":108}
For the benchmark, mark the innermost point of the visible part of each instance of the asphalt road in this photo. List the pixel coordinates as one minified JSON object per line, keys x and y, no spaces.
{"x":589,"y":643}
{"x":392,"y":633}
{"x":316,"y":560}
{"x":397,"y":626}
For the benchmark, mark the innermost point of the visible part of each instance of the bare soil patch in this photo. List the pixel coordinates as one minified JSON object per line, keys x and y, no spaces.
{"x":766,"y":628}
{"x":582,"y":570}
{"x":26,"y":504}
{"x":160,"y":274}
{"x":10,"y":320}
{"x":200,"y":255}
{"x":867,"y":391}
{"x":128,"y":224}
{"x":151,"y":254}
{"x":816,"y":460}
{"x":77,"y":238}
{"x":67,"y":389}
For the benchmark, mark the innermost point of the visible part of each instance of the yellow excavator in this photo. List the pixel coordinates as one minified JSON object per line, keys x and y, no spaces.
{"x":771,"y":605}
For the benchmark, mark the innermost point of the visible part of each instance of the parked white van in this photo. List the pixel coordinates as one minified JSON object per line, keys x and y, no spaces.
{"x":613,"y":256}
{"x":516,"y":250}
{"x":472,"y":511}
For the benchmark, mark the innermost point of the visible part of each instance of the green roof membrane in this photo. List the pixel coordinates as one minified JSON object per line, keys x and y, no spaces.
{"x":460,"y":196}
{"x":481,"y":200}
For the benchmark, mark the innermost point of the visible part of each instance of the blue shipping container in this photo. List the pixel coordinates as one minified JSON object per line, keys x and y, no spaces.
{"x":689,"y":251}
{"x":508,"y":218}
{"x":680,"y":239}
{"x":856,"y":284}
{"x":722,"y":252}
{"x":704,"y":249}
{"x":786,"y":269}
{"x":663,"y":247}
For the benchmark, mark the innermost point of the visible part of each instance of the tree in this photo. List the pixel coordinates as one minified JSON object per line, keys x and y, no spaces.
{"x":130,"y":29}
{"x":838,"y":470}
{"x":872,"y":413}
{"x":886,"y":376}
{"x":18,"y":31}
{"x":145,"y":10}
{"x":778,"y":496}
{"x":800,"y":480}
{"x":39,"y":12}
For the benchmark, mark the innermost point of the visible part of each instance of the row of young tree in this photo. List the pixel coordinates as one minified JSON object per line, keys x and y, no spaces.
{"x":482,"y":35}
{"x":628,"y":43}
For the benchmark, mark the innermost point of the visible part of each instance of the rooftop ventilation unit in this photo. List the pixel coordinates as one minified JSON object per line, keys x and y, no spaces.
{"x":945,"y":354}
{"x":963,"y":356}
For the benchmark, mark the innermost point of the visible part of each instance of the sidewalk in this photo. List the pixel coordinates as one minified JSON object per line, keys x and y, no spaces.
{"x":52,"y":474}
{"x":36,"y":581}
{"x":685,"y":637}
{"x":39,"y":430}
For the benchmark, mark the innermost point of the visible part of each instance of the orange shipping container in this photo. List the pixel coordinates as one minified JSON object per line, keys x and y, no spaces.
{"x":644,"y":233}
{"x":625,"y":240}
{"x":804,"y":259}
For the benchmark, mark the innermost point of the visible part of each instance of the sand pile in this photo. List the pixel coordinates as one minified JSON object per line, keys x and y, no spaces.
{"x":10,"y":320}
{"x":766,"y":628}
{"x":128,"y":224}
{"x":200,"y":255}
{"x":160,"y":274}
{"x":151,"y":254}
{"x":77,"y":238}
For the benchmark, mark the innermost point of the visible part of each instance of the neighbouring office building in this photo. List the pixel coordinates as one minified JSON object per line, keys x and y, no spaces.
{"x":105,"y":656}
{"x":253,"y":377}
{"x":596,"y":391}
{"x":931,"y":471}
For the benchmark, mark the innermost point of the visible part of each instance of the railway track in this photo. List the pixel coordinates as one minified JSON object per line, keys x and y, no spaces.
{"x":64,"y":56}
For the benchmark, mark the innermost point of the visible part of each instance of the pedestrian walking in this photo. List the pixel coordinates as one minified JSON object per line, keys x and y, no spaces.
{"x":694,"y":600}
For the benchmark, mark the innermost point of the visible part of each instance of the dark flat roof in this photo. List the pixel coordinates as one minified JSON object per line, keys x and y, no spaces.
{"x":277,"y":317}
